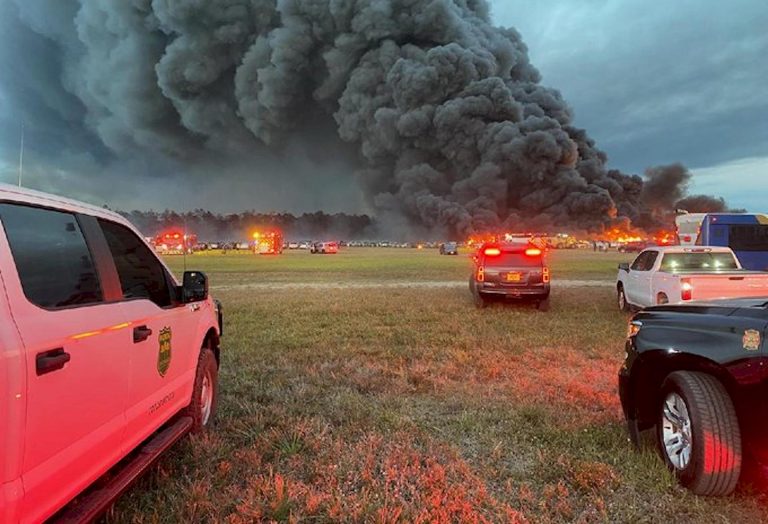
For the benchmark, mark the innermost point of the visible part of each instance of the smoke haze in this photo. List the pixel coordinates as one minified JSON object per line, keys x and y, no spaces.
{"x":436,"y":115}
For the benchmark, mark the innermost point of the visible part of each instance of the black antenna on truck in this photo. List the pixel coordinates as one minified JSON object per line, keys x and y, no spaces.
{"x":184,"y":245}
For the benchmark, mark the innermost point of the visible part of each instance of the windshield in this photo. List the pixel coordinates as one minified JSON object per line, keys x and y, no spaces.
{"x":698,"y":262}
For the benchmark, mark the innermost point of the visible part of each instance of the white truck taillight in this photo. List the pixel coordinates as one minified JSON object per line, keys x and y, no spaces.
{"x":686,"y":289}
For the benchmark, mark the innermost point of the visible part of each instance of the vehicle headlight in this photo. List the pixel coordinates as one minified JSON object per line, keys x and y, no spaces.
{"x":633,"y":328}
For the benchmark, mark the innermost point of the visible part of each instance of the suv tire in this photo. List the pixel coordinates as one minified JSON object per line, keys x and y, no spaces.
{"x":205,"y":394}
{"x":709,"y":432}
{"x":477,"y":297}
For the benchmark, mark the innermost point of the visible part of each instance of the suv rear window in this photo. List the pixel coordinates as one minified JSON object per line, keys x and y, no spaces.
{"x":53,"y":261}
{"x":507,"y":259}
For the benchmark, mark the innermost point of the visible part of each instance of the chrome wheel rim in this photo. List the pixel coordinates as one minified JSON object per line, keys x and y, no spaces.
{"x":206,"y":399}
{"x":676,"y":431}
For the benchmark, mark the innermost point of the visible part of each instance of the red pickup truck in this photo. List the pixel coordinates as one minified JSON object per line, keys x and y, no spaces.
{"x":104,"y":357}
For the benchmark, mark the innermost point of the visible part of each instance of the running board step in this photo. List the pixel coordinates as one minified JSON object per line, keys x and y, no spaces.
{"x":91,"y":505}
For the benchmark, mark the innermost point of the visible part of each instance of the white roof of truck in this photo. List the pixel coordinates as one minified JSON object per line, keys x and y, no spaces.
{"x":689,"y":249}
{"x":9,"y":193}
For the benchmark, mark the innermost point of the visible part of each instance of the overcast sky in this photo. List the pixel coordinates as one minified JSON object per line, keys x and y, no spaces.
{"x":657,"y":82}
{"x":652,"y":82}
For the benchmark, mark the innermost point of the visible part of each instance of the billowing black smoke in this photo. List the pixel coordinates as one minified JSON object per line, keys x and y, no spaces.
{"x":452,"y":129}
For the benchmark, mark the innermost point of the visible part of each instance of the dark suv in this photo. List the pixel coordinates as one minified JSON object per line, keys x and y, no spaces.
{"x":449,"y":248}
{"x":510,"y":270}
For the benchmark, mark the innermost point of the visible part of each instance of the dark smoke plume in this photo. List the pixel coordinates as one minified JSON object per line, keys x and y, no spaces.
{"x":703,"y":204}
{"x":452,"y":130}
{"x":663,"y":192}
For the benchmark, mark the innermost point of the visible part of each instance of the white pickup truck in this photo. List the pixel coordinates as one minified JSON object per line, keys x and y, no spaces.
{"x":676,"y":274}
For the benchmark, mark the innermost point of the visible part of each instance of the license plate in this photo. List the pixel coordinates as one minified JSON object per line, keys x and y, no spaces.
{"x":513,"y":277}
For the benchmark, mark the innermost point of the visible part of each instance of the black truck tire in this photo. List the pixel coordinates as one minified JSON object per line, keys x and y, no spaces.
{"x":202,"y":408}
{"x":714,"y":466}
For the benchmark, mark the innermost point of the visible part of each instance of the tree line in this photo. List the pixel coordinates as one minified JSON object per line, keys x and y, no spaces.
{"x":210,"y":226}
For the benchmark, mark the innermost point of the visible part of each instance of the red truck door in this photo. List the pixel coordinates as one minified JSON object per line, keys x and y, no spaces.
{"x":76,"y":354}
{"x":164,"y":352}
{"x":13,"y":389}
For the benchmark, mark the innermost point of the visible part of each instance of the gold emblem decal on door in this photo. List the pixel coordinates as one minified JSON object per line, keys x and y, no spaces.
{"x":164,"y":351}
{"x":751,"y":340}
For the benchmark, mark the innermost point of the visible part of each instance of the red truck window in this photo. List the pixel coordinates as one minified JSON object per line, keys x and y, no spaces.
{"x":52,"y":258}
{"x":141,"y":274}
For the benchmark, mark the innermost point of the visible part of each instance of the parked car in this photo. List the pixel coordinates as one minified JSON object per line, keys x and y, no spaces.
{"x":293,"y":245}
{"x":636,"y":246}
{"x":104,"y":357}
{"x":449,"y":248}
{"x":673,"y":275}
{"x":325,"y":248}
{"x":695,"y":375}
{"x":510,"y":270}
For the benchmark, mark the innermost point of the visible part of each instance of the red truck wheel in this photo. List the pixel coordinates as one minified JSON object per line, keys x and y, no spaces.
{"x":205,"y":394}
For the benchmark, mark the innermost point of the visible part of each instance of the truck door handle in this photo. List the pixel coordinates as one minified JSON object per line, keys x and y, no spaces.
{"x":52,"y":360}
{"x":141,"y":333}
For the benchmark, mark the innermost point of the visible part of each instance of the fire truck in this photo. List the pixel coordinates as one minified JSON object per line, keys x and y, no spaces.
{"x":267,"y":242}
{"x":175,"y":242}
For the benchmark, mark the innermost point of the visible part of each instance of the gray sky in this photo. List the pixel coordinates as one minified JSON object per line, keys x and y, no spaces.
{"x":652,"y":82}
{"x":656,"y":82}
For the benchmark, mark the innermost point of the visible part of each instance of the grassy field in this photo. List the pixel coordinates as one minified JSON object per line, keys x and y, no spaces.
{"x":396,"y":404}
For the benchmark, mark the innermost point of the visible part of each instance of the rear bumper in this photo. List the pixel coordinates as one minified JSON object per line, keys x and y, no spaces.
{"x":535,"y":290}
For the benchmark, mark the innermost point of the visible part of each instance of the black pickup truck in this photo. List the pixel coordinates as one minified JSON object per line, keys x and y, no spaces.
{"x":698,"y":375}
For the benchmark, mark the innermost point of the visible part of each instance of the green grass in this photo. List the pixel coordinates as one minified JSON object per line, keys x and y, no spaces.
{"x":406,"y":405}
{"x":374,"y":264}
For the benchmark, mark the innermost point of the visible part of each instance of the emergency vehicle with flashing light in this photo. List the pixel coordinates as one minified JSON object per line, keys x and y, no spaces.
{"x":175,"y":243}
{"x":514,"y":270}
{"x":676,"y":274}
{"x":268,"y":242}
{"x":105,"y":360}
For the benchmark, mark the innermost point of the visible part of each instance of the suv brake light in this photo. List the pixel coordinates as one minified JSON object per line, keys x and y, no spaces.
{"x":492,"y":252}
{"x":686,"y":289}
{"x":480,"y":276}
{"x":533,"y":252}
{"x":545,"y":274}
